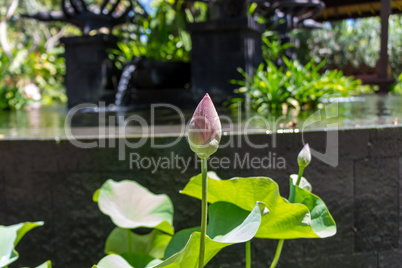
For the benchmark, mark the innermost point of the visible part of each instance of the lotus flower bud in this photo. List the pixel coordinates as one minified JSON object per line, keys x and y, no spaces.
{"x":204,"y":133}
{"x":304,"y":157}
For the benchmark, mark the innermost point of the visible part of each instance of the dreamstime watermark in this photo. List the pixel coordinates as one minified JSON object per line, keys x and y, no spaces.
{"x":115,"y":130}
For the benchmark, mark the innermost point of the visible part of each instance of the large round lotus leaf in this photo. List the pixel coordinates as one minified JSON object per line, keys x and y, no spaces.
{"x":9,"y":238}
{"x":131,"y":205}
{"x":228,"y":225}
{"x":285,"y":220}
{"x":123,"y":240}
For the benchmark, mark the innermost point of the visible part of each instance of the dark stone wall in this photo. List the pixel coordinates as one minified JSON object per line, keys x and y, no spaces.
{"x":54,"y":182}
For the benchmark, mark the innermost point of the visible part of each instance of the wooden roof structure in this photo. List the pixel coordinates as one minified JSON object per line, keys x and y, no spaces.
{"x":344,"y":9}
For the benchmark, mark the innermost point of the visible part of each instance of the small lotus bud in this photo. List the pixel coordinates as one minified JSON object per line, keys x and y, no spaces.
{"x":304,"y":157}
{"x":204,"y":133}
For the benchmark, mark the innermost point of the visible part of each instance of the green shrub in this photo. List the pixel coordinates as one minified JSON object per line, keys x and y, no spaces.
{"x":397,"y":87}
{"x":161,"y":36}
{"x":308,"y":86}
{"x":24,"y":67}
{"x":295,"y":85}
{"x":266,"y":88}
{"x":28,"y":56}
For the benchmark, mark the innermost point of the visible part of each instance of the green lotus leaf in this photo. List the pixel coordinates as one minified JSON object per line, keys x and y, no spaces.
{"x":112,"y":261}
{"x":131,"y":205}
{"x":231,"y":224}
{"x":26,"y":227}
{"x":321,"y":220}
{"x":7,"y":259}
{"x":127,"y":260}
{"x":139,"y":260}
{"x":179,"y":241}
{"x":9,"y":237}
{"x":123,"y":240}
{"x":228,"y":225}
{"x":285,"y":220}
{"x":187,"y":257}
{"x":95,"y":197}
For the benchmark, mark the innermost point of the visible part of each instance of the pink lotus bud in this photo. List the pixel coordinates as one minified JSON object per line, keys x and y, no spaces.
{"x":304,"y":157}
{"x":204,"y":133}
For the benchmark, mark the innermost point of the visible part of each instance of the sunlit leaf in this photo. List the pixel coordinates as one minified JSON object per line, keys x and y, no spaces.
{"x":228,"y":225}
{"x":139,"y":260}
{"x":95,"y":197}
{"x":123,"y":240}
{"x":112,"y":261}
{"x":26,"y":227}
{"x":9,"y":238}
{"x":285,"y":220}
{"x":321,"y":220}
{"x":131,"y":205}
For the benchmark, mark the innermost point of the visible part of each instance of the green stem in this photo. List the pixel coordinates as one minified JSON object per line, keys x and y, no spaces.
{"x":129,"y":239}
{"x":248,"y":254}
{"x":292,"y":196}
{"x":277,"y":253}
{"x":301,"y":169}
{"x":204,"y":215}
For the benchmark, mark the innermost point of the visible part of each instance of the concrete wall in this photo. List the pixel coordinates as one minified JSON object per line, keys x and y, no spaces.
{"x":54,"y":182}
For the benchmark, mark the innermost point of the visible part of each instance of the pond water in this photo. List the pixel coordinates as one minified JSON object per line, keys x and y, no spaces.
{"x":48,"y":122}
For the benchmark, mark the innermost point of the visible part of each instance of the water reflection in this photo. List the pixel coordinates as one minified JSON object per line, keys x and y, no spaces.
{"x":48,"y":121}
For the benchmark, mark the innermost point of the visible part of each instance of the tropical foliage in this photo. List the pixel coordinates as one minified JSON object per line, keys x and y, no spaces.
{"x":160,"y":36}
{"x":352,"y":41}
{"x":28,"y":55}
{"x":273,"y":48}
{"x":272,"y":88}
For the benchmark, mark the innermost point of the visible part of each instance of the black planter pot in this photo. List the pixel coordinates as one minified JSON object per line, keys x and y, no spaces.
{"x":156,"y":82}
{"x":162,"y":75}
{"x":88,"y":69}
